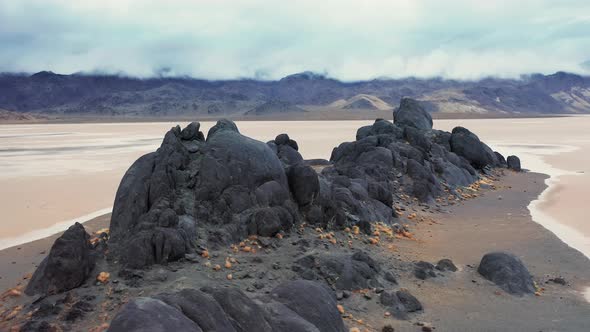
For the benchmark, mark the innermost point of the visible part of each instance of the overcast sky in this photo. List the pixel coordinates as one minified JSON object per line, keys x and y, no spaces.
{"x":268,"y":39}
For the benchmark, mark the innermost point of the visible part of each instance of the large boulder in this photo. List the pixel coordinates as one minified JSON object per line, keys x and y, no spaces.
{"x":466,"y":144}
{"x":508,"y":272}
{"x":313,"y":302}
{"x":304,"y":183}
{"x":68,"y":265}
{"x":148,"y":314}
{"x":513,"y":163}
{"x":412,"y":114}
{"x":229,"y":183}
{"x":299,"y":306}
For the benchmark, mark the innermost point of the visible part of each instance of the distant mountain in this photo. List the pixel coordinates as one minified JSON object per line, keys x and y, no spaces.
{"x":362,"y":102}
{"x":104,"y":95}
{"x":273,"y":107}
{"x":8,"y":116}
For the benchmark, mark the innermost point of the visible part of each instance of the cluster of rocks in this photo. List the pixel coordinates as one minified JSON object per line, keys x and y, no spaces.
{"x":292,"y":306}
{"x":424,"y":270}
{"x":197,"y":193}
{"x":341,"y":270}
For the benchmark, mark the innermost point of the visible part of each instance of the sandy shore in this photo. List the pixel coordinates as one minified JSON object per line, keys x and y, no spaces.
{"x":19,"y":261}
{"x":463,"y":301}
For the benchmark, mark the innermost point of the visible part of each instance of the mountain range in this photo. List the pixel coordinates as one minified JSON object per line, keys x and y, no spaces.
{"x":296,"y":95}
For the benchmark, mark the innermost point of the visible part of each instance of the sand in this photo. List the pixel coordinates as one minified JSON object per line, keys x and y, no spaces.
{"x":461,"y":301}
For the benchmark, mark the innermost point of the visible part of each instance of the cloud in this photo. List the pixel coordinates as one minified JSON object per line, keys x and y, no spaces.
{"x":349,"y":40}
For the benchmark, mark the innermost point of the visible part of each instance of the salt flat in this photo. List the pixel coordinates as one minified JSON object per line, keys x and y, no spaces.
{"x":52,"y":174}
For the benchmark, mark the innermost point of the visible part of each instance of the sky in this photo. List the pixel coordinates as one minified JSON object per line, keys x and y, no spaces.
{"x":269,"y":39}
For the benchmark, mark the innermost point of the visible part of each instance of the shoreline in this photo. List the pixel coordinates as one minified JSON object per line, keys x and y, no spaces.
{"x":54,"y":229}
{"x":370,"y":115}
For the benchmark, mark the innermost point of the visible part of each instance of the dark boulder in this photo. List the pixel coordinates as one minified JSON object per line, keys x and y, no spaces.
{"x":418,"y":139}
{"x":501,"y":159}
{"x":513,"y":163}
{"x":409,"y":301}
{"x":191,"y":132}
{"x":201,"y":308}
{"x":466,"y":144}
{"x":288,"y":155}
{"x":148,"y":314}
{"x":424,"y":186}
{"x":412,"y":114}
{"x":424,"y":270}
{"x":400,"y":303}
{"x":508,"y":272}
{"x":299,"y":306}
{"x":446,"y":264}
{"x":282,"y":139}
{"x":245,"y":315}
{"x":342,"y":271}
{"x":281,"y":318}
{"x":313,"y":302}
{"x":304,"y":183}
{"x":68,"y":265}
{"x":222,"y":125}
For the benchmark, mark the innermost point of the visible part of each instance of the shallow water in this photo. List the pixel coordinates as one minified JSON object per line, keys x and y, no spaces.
{"x":53,"y":174}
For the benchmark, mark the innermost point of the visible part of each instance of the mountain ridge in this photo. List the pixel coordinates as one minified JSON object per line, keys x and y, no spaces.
{"x":114,"y":95}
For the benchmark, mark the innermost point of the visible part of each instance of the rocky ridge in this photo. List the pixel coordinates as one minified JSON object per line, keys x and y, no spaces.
{"x":196,"y":196}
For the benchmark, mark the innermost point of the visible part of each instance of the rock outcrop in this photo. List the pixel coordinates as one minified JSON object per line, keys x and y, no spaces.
{"x":513,"y":163}
{"x":68,"y":265}
{"x":410,"y":113}
{"x":341,"y":271}
{"x":194,"y":193}
{"x":508,"y":272}
{"x":292,"y":306}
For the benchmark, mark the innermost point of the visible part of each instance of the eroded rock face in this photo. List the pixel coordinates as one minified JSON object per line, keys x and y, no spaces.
{"x":412,"y":114}
{"x":194,"y":192}
{"x":341,"y":271}
{"x":466,"y":144}
{"x":68,"y":265}
{"x":292,"y":306}
{"x":508,"y":272}
{"x":149,"y":314}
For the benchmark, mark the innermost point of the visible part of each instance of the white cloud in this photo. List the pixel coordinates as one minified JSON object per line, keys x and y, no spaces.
{"x":350,"y":40}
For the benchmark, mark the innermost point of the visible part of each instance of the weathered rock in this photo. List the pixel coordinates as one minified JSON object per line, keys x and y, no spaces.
{"x":400,"y":303}
{"x":233,"y":185}
{"x":148,"y":314}
{"x":191,"y":132}
{"x":424,"y":186}
{"x":201,"y":308}
{"x":501,"y":159}
{"x":245,"y":314}
{"x":304,"y":183}
{"x":410,"y":302}
{"x":446,"y":264}
{"x":424,"y":270}
{"x":412,"y":114}
{"x":313,"y":302}
{"x":466,"y":144}
{"x":292,"y":306}
{"x":508,"y":272}
{"x":513,"y":163}
{"x":343,"y":271}
{"x":68,"y":265}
